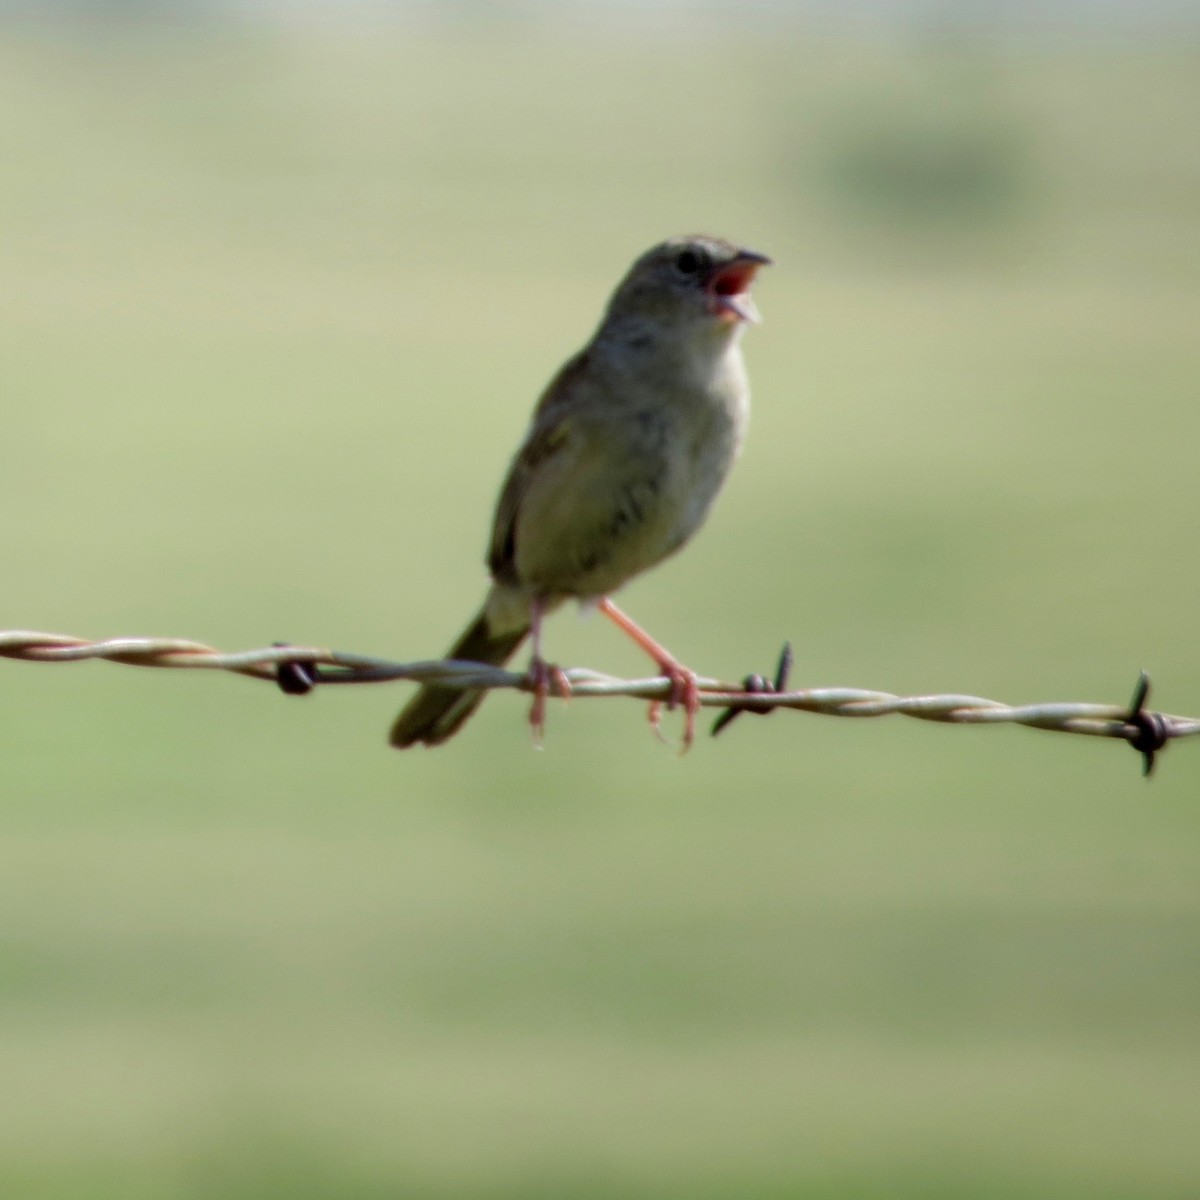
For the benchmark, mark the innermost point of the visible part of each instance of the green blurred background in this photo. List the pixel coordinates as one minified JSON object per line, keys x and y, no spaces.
{"x":277,"y":296}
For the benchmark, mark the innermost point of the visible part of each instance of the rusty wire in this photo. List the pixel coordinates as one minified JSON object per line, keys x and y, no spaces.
{"x":297,"y":669}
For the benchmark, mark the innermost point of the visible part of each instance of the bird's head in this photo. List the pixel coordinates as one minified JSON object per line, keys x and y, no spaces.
{"x":692,"y":281}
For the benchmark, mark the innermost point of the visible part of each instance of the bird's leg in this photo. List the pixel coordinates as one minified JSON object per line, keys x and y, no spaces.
{"x":542,"y":675}
{"x":684,"y":689}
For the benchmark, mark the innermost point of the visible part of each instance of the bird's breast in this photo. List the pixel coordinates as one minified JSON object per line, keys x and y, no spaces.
{"x":634,"y":479}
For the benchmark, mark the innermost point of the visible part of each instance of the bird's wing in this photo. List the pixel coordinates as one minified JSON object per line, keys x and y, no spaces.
{"x":546,"y":440}
{"x":582,"y":509}
{"x":548,"y":435}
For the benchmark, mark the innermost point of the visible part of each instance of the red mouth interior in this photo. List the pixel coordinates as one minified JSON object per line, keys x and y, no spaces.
{"x":734,"y":279}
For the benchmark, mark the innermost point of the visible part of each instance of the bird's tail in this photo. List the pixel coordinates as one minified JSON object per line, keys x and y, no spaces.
{"x":436,"y":712}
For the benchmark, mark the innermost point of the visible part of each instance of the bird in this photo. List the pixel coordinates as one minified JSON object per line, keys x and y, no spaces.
{"x":626,"y":451}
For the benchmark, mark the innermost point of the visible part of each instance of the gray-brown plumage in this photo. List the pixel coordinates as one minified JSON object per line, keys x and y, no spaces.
{"x":627,"y":449}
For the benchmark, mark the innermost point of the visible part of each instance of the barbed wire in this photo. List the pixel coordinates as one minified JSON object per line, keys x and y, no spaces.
{"x":298,"y":669}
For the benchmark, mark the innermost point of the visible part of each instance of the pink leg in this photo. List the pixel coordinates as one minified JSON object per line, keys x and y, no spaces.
{"x":684,"y":689}
{"x":542,"y":675}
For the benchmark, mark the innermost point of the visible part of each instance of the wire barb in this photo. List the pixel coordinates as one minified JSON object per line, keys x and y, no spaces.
{"x":757,"y":685}
{"x":296,"y":676}
{"x":296,"y":670}
{"x":1148,"y":732}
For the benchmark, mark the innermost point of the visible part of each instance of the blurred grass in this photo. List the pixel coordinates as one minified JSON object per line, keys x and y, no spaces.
{"x":274,"y":308}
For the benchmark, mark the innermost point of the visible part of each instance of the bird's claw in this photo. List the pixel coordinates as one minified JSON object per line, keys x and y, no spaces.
{"x":544,"y":678}
{"x":685,"y":694}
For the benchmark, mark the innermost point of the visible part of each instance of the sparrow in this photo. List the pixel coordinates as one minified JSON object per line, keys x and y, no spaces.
{"x":625,"y":453}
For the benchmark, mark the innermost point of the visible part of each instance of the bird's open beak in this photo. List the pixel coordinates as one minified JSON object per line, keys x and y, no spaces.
{"x":729,"y":287}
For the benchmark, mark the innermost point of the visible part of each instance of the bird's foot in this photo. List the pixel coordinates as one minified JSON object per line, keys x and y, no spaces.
{"x":685,"y":694}
{"x":685,"y":691}
{"x":544,"y":678}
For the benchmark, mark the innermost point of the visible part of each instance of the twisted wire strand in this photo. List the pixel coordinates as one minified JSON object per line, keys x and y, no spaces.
{"x":333,"y":666}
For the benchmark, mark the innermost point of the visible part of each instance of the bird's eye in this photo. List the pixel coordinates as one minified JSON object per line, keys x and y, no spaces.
{"x":687,"y":262}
